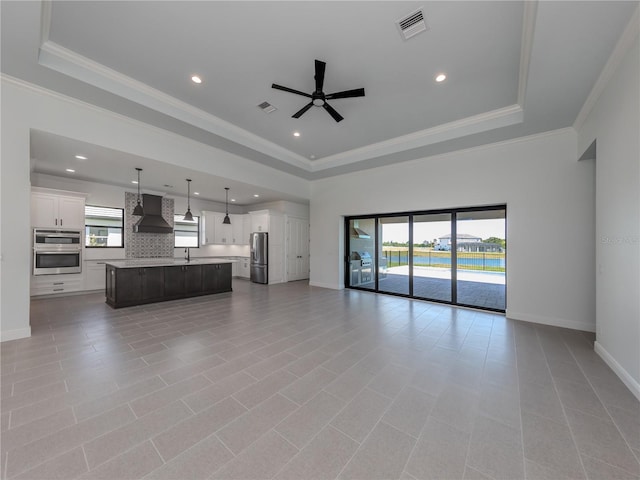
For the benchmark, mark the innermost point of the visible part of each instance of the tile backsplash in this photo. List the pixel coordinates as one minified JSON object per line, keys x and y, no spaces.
{"x":146,"y":245}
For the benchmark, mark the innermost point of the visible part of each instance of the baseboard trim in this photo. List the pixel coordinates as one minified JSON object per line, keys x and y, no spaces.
{"x":626,"y":378}
{"x":555,"y":322}
{"x":15,"y":334}
{"x":331,"y":286}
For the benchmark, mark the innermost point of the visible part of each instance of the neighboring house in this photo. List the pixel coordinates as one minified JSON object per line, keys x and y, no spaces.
{"x":444,"y":242}
{"x":478,"y":247}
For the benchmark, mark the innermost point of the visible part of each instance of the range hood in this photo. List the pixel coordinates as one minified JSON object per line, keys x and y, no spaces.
{"x":358,"y":233}
{"x":152,"y":221}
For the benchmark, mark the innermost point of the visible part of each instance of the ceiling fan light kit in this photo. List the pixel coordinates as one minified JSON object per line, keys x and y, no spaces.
{"x":318,"y":97}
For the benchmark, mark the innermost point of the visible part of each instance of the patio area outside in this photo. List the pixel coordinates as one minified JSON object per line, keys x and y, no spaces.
{"x":477,"y":288}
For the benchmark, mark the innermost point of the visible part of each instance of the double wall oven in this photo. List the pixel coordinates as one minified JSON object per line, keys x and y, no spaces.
{"x":57,"y":251}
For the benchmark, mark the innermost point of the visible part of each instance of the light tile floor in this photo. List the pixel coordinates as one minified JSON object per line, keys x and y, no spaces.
{"x":294,"y":382}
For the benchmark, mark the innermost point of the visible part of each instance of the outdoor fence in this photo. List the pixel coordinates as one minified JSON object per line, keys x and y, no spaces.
{"x":425,"y":257}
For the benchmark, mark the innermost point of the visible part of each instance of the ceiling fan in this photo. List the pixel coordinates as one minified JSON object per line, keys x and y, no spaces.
{"x":318,"y":97}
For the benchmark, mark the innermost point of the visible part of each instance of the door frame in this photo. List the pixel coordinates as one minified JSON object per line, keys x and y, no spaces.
{"x":454,"y":248}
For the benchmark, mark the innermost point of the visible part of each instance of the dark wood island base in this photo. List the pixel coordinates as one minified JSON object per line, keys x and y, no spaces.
{"x":139,"y":282}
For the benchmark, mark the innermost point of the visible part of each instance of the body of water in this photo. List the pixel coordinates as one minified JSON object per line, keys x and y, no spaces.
{"x":438,"y":259}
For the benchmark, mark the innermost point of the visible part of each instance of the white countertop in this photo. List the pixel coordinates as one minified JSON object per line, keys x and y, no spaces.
{"x":164,"y":262}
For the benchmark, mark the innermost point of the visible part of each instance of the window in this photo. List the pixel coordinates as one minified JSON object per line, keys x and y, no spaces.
{"x":103,"y":227}
{"x":186,"y":233}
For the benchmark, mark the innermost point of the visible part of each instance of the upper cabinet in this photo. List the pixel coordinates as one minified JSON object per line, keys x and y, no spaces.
{"x":238,"y":235}
{"x":53,"y":210}
{"x":259,"y":221}
{"x":218,"y":233}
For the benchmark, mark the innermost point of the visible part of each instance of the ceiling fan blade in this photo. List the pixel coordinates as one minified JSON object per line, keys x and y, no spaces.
{"x":290,"y":90}
{"x":299,"y":113}
{"x":357,"y":92}
{"x":336,"y":116}
{"x":319,"y":76}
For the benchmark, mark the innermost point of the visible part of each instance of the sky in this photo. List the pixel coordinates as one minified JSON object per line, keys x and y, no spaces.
{"x":398,"y":232}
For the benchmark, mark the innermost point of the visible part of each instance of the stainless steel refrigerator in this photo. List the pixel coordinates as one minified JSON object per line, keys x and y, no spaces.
{"x":259,"y":242}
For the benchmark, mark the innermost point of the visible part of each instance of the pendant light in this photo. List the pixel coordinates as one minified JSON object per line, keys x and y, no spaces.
{"x":227,"y":220}
{"x":138,"y":211}
{"x":187,"y":216}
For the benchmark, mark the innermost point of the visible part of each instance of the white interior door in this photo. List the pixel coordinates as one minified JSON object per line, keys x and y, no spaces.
{"x":298,"y":248}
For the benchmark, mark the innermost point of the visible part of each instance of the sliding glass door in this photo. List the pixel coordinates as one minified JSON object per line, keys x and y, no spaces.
{"x":362,"y":248}
{"x":393,"y":255}
{"x":455,"y":256}
{"x":431,"y":264}
{"x":481,"y":258}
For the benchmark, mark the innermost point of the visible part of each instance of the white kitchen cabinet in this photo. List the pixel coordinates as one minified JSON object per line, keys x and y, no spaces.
{"x":276,"y":248}
{"x":94,"y":275}
{"x":260,"y":221}
{"x":238,"y":230}
{"x":246,"y":221}
{"x":222,"y":233}
{"x":243,"y":267}
{"x":56,"y":284}
{"x":52,"y":210}
{"x":214,"y":231}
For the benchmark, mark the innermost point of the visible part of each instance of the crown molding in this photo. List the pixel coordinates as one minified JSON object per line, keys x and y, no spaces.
{"x":63,"y":60}
{"x":622,"y":47}
{"x":501,"y":117}
{"x":526,"y":47}
{"x":68,"y":62}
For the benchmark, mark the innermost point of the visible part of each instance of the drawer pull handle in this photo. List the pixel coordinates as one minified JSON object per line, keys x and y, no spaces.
{"x":58,"y":283}
{"x":58,"y":289}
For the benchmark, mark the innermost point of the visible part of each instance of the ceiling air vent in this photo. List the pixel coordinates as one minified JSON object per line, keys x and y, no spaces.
{"x":267,"y":107}
{"x":412,"y":24}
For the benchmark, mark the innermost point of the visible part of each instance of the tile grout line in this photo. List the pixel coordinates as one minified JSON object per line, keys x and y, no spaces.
{"x":624,"y":439}
{"x":157,"y":451}
{"x":84,"y":455}
{"x":564,"y":413}
{"x":515,"y":359}
{"x":371,"y":431}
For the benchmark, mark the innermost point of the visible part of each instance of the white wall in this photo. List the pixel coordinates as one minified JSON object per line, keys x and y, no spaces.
{"x":26,"y":107}
{"x":15,"y":215}
{"x":549,"y":197}
{"x":614,"y":123}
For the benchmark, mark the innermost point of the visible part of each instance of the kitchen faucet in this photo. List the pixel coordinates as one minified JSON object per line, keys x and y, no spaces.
{"x":187,"y":255}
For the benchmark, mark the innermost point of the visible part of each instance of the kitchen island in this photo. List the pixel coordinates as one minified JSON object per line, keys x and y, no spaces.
{"x":140,"y":281}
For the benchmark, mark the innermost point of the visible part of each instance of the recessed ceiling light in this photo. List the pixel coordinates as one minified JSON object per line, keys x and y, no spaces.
{"x":81,"y":157}
{"x":296,"y":134}
{"x":71,"y":170}
{"x":256,"y":195}
{"x":196,"y":193}
{"x":233,"y":199}
{"x":441,"y":77}
{"x":196,"y":79}
{"x":135,"y":182}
